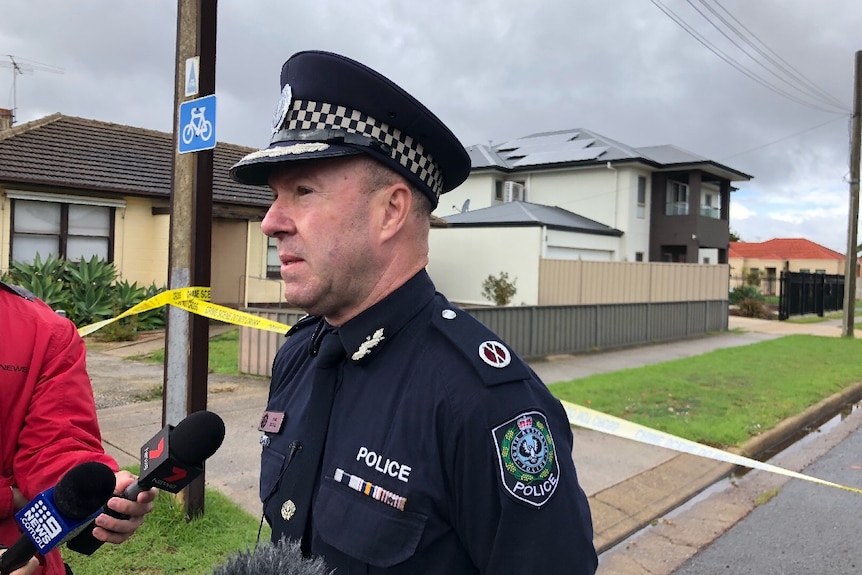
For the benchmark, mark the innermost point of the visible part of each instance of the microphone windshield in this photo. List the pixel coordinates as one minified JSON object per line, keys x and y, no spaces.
{"x":282,"y":558}
{"x":84,"y":489}
{"x":197,"y":437}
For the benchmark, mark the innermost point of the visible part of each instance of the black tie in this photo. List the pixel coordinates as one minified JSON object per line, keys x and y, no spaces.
{"x":306,"y":468}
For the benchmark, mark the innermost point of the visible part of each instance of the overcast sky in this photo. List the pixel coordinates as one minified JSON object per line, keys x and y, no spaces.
{"x":497,"y":70}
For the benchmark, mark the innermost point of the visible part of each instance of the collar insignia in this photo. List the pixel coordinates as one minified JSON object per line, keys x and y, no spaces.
{"x":368,"y":345}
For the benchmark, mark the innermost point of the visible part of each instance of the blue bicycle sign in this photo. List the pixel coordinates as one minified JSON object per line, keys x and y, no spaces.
{"x":197,"y":125}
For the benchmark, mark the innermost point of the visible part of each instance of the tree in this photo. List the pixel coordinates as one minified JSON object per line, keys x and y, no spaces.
{"x":734,"y":237}
{"x":499,"y":289}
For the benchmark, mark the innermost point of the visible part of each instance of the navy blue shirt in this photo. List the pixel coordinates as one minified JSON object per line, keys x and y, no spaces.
{"x":445,"y":453}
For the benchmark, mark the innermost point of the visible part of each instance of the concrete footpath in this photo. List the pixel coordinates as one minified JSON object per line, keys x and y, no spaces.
{"x":629,"y":484}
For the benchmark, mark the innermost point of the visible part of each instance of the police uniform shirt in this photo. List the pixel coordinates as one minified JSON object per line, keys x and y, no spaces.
{"x":444,"y":454}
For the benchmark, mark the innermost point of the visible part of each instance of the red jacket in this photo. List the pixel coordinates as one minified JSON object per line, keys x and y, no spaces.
{"x":47,"y":412}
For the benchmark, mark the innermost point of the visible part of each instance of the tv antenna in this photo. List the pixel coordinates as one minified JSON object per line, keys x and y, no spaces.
{"x":464,"y":207}
{"x":23,"y":66}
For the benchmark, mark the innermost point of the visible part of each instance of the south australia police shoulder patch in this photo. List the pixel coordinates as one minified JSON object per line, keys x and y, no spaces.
{"x":529,"y":468}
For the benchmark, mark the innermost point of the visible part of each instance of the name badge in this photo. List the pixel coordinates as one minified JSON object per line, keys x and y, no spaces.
{"x":271,"y":421}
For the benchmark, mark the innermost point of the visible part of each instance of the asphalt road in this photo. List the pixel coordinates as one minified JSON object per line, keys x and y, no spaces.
{"x":806,"y":528}
{"x":763,"y":523}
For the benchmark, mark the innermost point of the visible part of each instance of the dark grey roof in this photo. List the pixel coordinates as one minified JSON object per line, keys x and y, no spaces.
{"x":585,"y":147}
{"x":670,"y":155}
{"x":74,"y":153}
{"x":526,"y":214}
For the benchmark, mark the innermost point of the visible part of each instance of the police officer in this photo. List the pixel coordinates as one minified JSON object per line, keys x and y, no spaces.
{"x":401,"y":435}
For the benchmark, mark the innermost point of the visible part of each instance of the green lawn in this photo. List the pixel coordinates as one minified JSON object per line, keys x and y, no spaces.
{"x":724,"y":397}
{"x":169,"y":544}
{"x":223,"y":353}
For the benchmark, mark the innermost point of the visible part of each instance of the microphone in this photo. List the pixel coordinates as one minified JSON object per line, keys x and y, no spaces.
{"x":59,"y":512}
{"x":174,"y":457}
{"x":282,"y":558}
{"x":170,"y":460}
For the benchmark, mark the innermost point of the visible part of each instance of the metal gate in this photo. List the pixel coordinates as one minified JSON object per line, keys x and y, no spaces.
{"x":807,"y":293}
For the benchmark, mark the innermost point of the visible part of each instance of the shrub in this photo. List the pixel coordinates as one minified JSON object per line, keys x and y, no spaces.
{"x":745,"y":292}
{"x":751,"y":307}
{"x":155,"y":318}
{"x":88,"y":291}
{"x":91,"y":285}
{"x":45,"y":278}
{"x":499,"y":289}
{"x":752,"y":277}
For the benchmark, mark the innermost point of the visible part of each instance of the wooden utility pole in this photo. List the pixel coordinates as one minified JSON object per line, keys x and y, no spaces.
{"x":187,"y":335}
{"x":853,"y":216}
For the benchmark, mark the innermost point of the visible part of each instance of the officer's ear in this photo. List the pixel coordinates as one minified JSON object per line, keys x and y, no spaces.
{"x":396,"y":202}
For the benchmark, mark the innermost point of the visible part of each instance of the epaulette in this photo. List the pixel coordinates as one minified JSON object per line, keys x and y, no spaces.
{"x":302,"y":323}
{"x":492,"y":360}
{"x":19,"y":291}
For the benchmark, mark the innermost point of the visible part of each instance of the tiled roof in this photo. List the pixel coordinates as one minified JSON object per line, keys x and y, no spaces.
{"x":76,"y":153}
{"x":527,"y":214}
{"x":783,"y":249}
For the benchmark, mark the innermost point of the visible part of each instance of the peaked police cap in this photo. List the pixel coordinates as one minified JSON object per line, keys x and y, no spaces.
{"x":333,"y":106}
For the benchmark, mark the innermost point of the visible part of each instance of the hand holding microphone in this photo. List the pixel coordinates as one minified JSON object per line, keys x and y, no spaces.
{"x":59,"y":512}
{"x":170,"y":460}
{"x":29,"y":567}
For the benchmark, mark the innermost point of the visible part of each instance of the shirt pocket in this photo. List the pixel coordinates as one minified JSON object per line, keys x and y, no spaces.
{"x":365,"y":528}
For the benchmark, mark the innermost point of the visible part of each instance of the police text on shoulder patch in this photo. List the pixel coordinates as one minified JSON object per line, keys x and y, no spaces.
{"x":529,"y":468}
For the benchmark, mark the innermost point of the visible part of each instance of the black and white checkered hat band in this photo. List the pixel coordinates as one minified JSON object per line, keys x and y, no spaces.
{"x":305,"y":115}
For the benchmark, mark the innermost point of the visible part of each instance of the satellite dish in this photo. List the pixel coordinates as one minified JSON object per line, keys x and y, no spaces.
{"x":466,"y":205}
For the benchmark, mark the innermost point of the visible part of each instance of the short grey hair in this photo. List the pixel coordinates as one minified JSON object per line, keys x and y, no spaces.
{"x":379,"y":176}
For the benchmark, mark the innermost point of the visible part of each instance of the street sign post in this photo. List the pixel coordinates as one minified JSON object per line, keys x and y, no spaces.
{"x":197,"y":125}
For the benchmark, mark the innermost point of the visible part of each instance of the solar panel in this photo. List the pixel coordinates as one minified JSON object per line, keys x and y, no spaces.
{"x":561,"y":155}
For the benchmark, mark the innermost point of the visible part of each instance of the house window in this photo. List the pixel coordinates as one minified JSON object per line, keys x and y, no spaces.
{"x":273,"y":263}
{"x":639,"y":256}
{"x":677,"y":199}
{"x":498,"y":190}
{"x":641,"y":208}
{"x":63,"y":230}
{"x":707,"y":208}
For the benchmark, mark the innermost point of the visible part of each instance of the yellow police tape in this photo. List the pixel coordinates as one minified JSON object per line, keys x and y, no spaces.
{"x":597,"y":421}
{"x":196,"y":300}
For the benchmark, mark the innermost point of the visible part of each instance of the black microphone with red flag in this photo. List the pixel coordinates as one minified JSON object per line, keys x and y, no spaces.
{"x":170,"y":460}
{"x":174,"y":457}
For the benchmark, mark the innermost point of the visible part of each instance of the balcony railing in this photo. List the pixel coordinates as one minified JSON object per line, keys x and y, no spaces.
{"x":676,"y":209}
{"x":710,"y":212}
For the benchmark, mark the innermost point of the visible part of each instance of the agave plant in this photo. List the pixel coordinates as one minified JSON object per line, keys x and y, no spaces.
{"x":45,"y":278}
{"x":90,"y":285}
{"x":88,"y":291}
{"x":155,"y":318}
